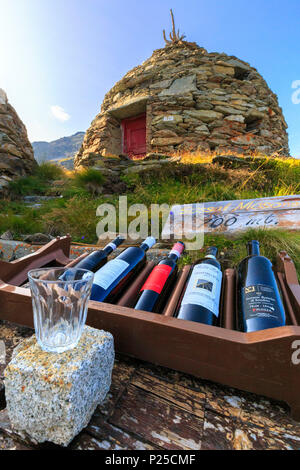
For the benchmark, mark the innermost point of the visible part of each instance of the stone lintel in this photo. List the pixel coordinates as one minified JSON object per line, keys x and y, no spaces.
{"x":130,"y":108}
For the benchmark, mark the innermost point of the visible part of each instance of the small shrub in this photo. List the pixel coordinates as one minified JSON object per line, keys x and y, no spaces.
{"x":29,"y":223}
{"x":77,"y":217}
{"x":37,"y":183}
{"x":26,"y":186}
{"x":90,"y":180}
{"x":48,"y":172}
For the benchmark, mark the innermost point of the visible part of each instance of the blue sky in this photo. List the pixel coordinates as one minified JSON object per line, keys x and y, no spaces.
{"x":58,"y":58}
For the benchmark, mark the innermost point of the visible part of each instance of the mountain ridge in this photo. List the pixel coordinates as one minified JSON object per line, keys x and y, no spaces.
{"x":57,"y":149}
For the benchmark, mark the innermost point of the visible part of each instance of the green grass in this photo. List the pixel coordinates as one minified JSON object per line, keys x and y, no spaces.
{"x":38,"y":182}
{"x":75,"y":213}
{"x":89,"y":180}
{"x":233,"y":249}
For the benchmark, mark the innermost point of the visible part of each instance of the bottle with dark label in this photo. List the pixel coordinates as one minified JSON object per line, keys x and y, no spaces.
{"x":201,"y":299}
{"x":153,"y":292}
{"x":259,"y":301}
{"x":114,"y":275}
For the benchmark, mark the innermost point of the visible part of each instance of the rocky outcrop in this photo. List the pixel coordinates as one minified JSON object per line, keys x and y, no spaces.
{"x":193,"y":100}
{"x":16,"y":153}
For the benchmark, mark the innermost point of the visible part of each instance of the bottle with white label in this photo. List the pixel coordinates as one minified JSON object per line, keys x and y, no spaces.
{"x":112,"y":278}
{"x":201,"y":299}
{"x":260,"y":304}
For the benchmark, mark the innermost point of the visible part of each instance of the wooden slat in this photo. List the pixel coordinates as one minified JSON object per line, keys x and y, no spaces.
{"x":188,"y":400}
{"x":172,"y":303}
{"x":129,"y":298}
{"x":228,"y":300}
{"x":157,"y":421}
{"x":15,"y":273}
{"x":114,"y":438}
{"x":122,"y":373}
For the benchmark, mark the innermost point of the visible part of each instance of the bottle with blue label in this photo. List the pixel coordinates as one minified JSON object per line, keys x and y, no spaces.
{"x":112,"y":278}
{"x":201,"y":299}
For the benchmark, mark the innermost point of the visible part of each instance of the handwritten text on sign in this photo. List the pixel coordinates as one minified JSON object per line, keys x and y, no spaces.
{"x":231,"y":216}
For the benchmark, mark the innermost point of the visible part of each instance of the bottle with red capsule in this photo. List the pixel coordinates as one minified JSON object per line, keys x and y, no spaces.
{"x":154,"y":292}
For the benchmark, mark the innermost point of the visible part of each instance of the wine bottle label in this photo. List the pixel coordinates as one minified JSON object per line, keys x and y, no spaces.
{"x":260,"y":301}
{"x":177,"y":250}
{"x":157,"y":278}
{"x":204,"y":288}
{"x":150,"y":241}
{"x":110,"y":272}
{"x":112,"y":246}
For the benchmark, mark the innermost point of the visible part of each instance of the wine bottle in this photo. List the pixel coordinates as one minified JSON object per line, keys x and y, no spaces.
{"x":259,"y":300}
{"x":201,"y":299}
{"x":98,"y":258}
{"x":115,"y":275}
{"x":156,"y":287}
{"x":94,"y":260}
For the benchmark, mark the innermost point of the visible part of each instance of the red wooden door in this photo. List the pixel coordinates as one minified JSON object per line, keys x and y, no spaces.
{"x":134,"y":136}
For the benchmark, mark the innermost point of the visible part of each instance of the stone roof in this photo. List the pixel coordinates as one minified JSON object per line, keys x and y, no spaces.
{"x":194,"y":100}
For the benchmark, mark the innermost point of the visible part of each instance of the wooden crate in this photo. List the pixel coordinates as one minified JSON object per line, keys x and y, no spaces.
{"x":259,"y":362}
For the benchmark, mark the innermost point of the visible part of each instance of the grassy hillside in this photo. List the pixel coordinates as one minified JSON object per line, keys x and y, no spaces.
{"x":187,"y":182}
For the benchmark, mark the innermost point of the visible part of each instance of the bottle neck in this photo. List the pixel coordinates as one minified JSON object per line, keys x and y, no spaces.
{"x":173,"y":256}
{"x":212,"y":252}
{"x":176,"y":251}
{"x":144,"y":246}
{"x":253,"y":248}
{"x":112,"y":246}
{"x":108,"y":249}
{"x":148,"y":243}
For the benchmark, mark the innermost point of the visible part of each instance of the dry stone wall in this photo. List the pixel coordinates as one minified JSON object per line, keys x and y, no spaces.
{"x":193,"y":100}
{"x":16,"y":153}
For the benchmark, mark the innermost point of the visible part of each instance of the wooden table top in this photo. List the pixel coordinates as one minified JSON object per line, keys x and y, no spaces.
{"x":150,"y":407}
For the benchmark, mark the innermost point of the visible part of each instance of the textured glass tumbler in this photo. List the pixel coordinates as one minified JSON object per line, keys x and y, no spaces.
{"x":59,"y":300}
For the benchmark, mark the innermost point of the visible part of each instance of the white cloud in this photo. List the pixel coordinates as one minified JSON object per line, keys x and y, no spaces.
{"x":59,"y":113}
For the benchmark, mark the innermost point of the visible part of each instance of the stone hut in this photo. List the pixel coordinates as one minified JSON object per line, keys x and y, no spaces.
{"x":186,"y":99}
{"x":16,"y":153}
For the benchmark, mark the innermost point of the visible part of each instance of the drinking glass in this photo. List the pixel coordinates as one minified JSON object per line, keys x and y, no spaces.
{"x":59,"y":300}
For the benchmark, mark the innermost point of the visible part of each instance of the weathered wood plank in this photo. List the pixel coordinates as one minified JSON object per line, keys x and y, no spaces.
{"x":217,"y":432}
{"x":253,"y":438}
{"x":251,"y":409}
{"x":6,"y":443}
{"x":115,"y":437}
{"x":122,"y":372}
{"x":223,"y":433}
{"x":157,"y":421}
{"x":86,"y":442}
{"x":174,"y":377}
{"x":233,"y":216}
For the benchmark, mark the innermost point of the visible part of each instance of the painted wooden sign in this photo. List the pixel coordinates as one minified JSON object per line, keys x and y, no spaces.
{"x":233,"y":216}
